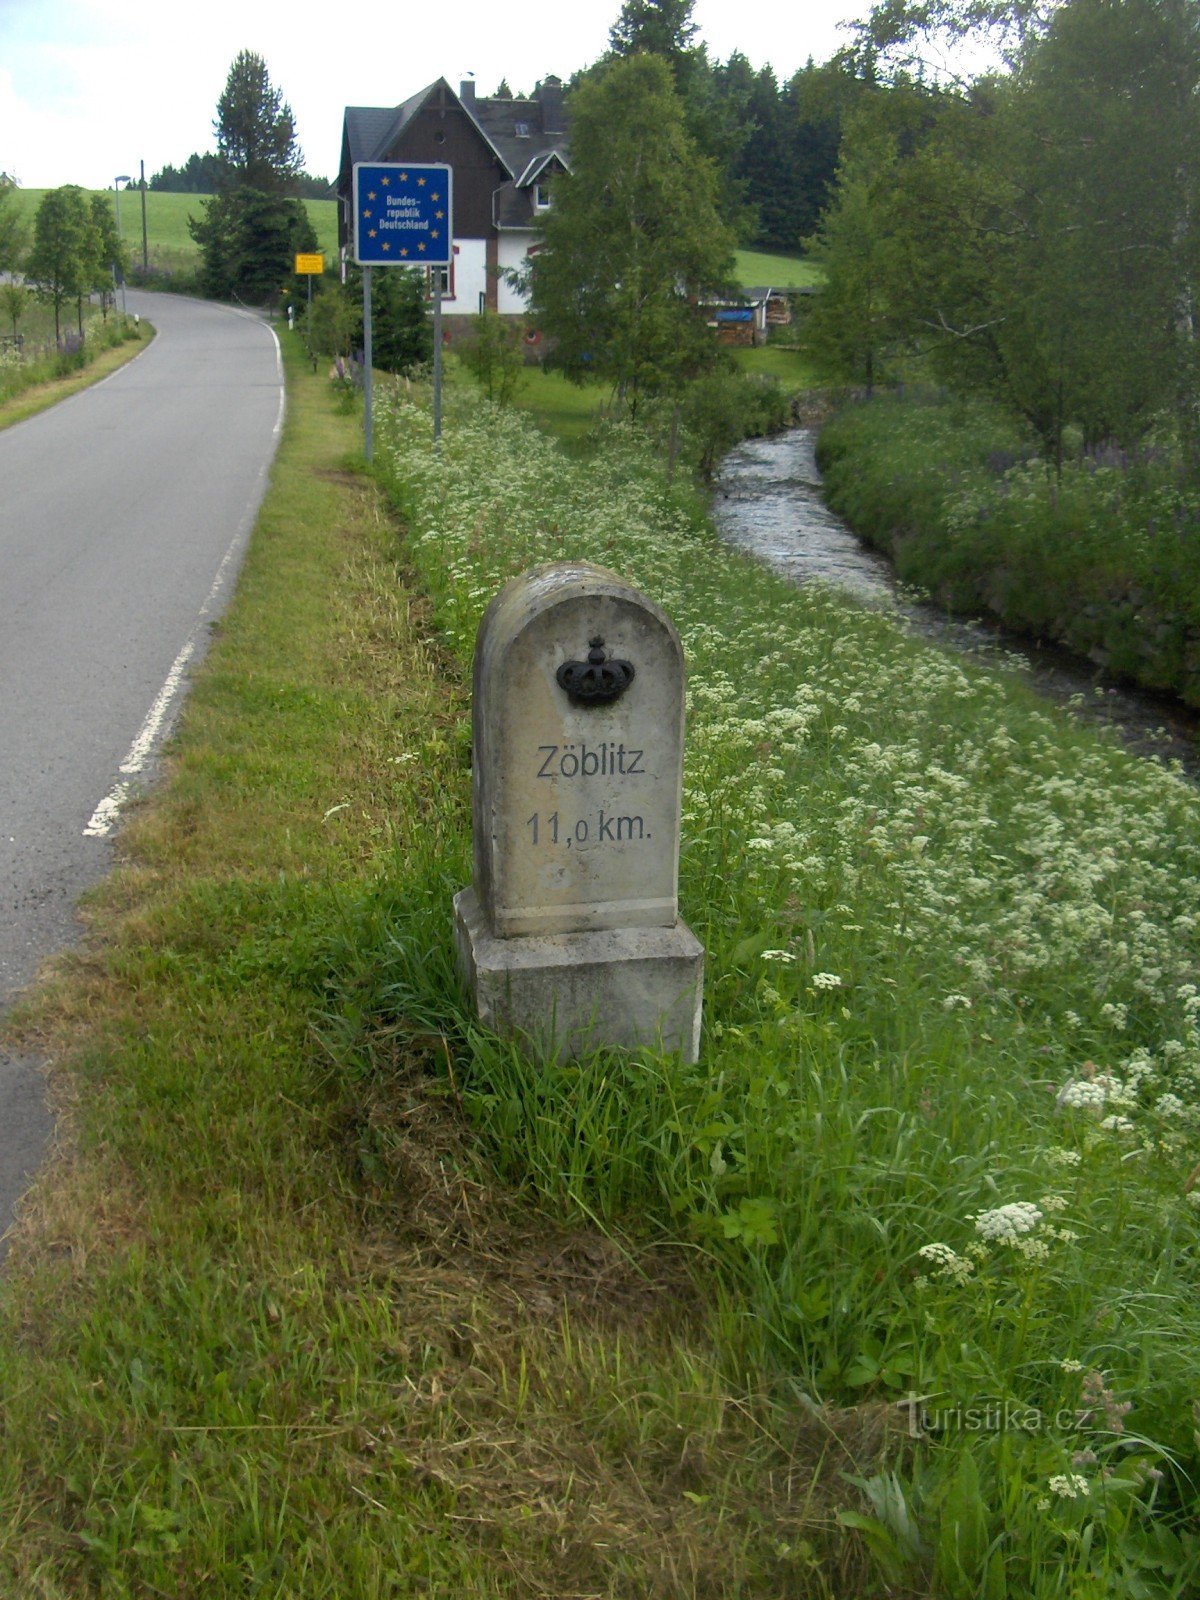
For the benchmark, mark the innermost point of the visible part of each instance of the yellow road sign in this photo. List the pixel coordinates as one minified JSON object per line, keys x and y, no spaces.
{"x":310,"y":265}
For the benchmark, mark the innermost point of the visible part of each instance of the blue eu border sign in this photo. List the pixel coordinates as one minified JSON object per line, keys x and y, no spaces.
{"x":402,"y":218}
{"x":402,"y":215}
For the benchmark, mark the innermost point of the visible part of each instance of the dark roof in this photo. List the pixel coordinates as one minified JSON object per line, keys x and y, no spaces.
{"x":526,"y":135}
{"x":371,"y":129}
{"x":520,"y":130}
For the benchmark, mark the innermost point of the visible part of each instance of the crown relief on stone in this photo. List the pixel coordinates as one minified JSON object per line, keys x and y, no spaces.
{"x":597,"y":681}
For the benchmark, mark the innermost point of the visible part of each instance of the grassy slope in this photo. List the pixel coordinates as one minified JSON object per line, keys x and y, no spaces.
{"x":167,"y":221}
{"x":293,"y":1339}
{"x":757,"y":269}
{"x":167,"y":232}
{"x":569,"y":411}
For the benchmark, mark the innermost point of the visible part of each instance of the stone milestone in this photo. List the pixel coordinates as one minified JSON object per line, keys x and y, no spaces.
{"x":570,"y":934}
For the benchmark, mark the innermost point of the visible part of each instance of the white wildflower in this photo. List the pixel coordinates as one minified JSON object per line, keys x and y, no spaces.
{"x":1060,"y":1157}
{"x":1115,"y":1124}
{"x":948,"y":1262}
{"x":1169,"y":1105}
{"x":826,"y":980}
{"x":1082,"y":1094}
{"x":1069,"y":1485}
{"x":1005,"y":1224}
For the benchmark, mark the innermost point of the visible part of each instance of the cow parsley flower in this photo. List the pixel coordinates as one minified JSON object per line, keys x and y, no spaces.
{"x":948,"y":1262}
{"x":1006,"y":1224}
{"x":1069,"y":1485}
{"x":1082,"y":1094}
{"x":826,"y":980}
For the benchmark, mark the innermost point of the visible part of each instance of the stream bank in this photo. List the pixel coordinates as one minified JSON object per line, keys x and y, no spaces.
{"x":768,"y":501}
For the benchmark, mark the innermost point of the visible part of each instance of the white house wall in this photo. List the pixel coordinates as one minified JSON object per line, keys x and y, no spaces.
{"x":470,"y":277}
{"x":513,"y":250}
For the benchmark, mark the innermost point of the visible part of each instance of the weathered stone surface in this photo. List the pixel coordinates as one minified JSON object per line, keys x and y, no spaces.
{"x":576,"y":807}
{"x":568,"y":993}
{"x":570,"y":935}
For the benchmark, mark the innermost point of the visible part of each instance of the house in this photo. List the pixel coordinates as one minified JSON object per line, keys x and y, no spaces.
{"x":504,"y":154}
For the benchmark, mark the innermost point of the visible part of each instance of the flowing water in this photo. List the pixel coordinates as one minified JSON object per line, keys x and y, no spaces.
{"x":768,"y":502}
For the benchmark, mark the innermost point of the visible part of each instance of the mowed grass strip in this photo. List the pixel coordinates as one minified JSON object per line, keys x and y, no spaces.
{"x":270,"y":1328}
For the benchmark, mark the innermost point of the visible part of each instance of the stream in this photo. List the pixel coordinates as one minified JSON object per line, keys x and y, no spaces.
{"x":768,"y":502}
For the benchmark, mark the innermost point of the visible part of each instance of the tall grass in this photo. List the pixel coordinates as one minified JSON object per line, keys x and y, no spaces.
{"x":941,"y":1136}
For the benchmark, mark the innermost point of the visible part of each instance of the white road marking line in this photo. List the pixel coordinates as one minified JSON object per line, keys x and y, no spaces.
{"x":108,"y":813}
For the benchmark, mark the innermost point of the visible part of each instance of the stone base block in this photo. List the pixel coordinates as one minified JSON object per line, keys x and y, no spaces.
{"x":571,"y":992}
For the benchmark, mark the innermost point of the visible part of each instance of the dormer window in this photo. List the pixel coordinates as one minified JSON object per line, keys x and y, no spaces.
{"x":541,"y":197}
{"x":521,"y":129}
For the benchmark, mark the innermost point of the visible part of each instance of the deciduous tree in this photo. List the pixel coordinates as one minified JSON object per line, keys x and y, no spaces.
{"x":59,"y":261}
{"x":110,"y":256}
{"x":14,"y":235}
{"x":633,"y":247}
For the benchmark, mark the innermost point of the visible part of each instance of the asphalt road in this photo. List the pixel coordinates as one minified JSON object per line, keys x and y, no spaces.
{"x":123,"y":515}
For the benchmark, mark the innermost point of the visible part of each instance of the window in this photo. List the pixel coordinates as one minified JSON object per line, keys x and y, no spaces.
{"x":521,"y":129}
{"x":541,"y":197}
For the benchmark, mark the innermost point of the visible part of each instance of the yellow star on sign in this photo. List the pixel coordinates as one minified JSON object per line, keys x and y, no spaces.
{"x":403,"y":252}
{"x":385,"y":182}
{"x":371,"y":195}
{"x":420,"y":247}
{"x":420,"y":183}
{"x":386,"y":245}
{"x":371,"y":232}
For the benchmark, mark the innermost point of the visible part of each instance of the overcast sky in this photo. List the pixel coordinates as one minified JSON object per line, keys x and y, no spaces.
{"x":88,"y":88}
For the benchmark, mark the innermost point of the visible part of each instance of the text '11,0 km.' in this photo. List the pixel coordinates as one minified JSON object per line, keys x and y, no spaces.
{"x":600,"y":828}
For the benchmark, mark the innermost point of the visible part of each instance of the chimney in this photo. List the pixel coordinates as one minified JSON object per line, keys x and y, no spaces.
{"x":466,"y":90}
{"x":549,"y":93}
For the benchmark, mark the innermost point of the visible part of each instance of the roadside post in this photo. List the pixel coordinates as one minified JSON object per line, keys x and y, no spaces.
{"x":310,"y":265}
{"x":402,"y":218}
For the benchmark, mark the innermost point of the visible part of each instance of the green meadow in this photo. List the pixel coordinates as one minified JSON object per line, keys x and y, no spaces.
{"x":757,"y":269}
{"x":169,"y":243}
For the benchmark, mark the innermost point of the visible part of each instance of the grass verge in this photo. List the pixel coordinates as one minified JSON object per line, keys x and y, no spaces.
{"x":270,"y":1323}
{"x":26,"y":391}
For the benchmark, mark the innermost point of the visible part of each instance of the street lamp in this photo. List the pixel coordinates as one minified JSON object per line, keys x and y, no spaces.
{"x":121,"y":177}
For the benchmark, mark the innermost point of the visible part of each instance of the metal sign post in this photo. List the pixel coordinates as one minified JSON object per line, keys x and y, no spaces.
{"x":437,"y":356}
{"x":403,"y":218}
{"x":310,"y":264}
{"x":368,"y":363}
